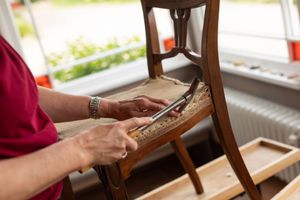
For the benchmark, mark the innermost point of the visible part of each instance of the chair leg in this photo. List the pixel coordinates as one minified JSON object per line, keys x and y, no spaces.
{"x":187,"y":163}
{"x":67,"y":193}
{"x":112,"y":181}
{"x":227,"y":140}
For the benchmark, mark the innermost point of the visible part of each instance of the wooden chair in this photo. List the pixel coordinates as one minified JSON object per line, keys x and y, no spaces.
{"x":209,"y":99}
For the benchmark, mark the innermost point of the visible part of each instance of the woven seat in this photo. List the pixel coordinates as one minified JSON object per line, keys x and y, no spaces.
{"x":161,"y":87}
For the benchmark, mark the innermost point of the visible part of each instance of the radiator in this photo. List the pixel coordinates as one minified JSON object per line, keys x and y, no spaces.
{"x":252,"y":117}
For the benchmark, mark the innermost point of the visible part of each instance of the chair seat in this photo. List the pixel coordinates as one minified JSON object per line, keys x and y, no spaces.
{"x":160,"y":87}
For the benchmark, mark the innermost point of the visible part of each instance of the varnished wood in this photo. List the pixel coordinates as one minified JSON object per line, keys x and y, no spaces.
{"x":134,"y":157}
{"x":113,"y":176}
{"x":174,"y":4}
{"x":152,"y":40}
{"x":211,"y":72}
{"x":187,"y":163}
{"x":180,"y":18}
{"x":113,"y":182}
{"x":208,"y":62}
{"x":192,"y":56}
{"x":212,"y":76}
{"x":67,"y":193}
{"x":263,"y":157}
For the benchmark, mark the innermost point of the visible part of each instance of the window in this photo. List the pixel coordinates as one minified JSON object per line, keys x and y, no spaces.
{"x":260,"y":39}
{"x":253,"y":27}
{"x":70,"y":39}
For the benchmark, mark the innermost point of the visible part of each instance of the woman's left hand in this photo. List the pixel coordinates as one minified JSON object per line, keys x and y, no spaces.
{"x":140,"y":106}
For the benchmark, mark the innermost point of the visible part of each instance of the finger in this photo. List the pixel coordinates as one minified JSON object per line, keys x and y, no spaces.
{"x":116,"y":155}
{"x":174,"y":114}
{"x":131,"y":144}
{"x":165,"y":102}
{"x":148,"y":105}
{"x":133,"y":123}
{"x":157,"y":107}
{"x":147,"y":113}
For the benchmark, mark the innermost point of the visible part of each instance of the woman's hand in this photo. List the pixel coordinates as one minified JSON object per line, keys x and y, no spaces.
{"x":106,"y":144}
{"x":140,"y":106}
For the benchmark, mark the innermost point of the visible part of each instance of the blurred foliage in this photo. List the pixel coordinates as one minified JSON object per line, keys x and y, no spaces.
{"x":80,"y":2}
{"x":81,"y":49}
{"x":24,"y":27}
{"x":32,"y":1}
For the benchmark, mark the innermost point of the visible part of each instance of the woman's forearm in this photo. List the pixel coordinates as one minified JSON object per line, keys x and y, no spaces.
{"x":24,"y":177}
{"x":63,"y":107}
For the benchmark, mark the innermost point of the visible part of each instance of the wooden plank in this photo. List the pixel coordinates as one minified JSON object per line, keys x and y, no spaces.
{"x":290,"y":192}
{"x":263,"y":158}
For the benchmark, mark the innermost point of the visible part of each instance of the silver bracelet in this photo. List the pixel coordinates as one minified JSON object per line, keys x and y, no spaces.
{"x":94,"y":107}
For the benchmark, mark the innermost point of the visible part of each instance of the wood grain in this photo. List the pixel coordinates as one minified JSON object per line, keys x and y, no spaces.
{"x":219,"y":181}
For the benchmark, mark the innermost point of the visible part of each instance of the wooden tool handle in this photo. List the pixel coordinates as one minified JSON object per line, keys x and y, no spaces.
{"x":83,"y":170}
{"x":133,"y":134}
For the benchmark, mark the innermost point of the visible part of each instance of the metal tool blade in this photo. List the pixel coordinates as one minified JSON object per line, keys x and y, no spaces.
{"x":181,"y":101}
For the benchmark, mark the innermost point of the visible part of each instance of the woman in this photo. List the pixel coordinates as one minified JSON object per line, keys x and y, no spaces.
{"x":32,"y":163}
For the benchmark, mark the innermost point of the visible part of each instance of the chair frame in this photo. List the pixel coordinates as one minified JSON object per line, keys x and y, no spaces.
{"x":113,"y":176}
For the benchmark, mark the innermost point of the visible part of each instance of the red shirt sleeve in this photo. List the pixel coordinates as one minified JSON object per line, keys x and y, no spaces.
{"x":24,"y":126}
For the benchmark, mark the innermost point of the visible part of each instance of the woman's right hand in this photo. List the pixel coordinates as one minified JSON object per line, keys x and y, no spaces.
{"x":106,"y":144}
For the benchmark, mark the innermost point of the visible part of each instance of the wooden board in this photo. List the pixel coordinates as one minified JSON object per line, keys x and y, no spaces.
{"x":263,"y":158}
{"x":290,"y":192}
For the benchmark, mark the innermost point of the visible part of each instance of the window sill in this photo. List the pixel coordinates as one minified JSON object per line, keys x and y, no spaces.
{"x":277,"y":73}
{"x":116,"y":77}
{"x":273,"y":72}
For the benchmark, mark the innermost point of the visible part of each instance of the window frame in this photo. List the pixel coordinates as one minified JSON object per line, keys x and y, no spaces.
{"x":8,"y":27}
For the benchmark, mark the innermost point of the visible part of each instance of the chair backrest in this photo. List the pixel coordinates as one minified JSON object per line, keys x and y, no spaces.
{"x":206,"y":58}
{"x":208,"y":62}
{"x":180,"y":14}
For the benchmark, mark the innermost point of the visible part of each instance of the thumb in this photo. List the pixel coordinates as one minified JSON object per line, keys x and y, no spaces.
{"x":135,"y":122}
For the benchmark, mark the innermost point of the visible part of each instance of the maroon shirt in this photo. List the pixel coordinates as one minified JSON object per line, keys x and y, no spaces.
{"x":24,"y":126}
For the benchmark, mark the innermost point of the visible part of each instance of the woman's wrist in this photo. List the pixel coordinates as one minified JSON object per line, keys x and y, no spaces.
{"x":108,"y":108}
{"x":83,"y":158}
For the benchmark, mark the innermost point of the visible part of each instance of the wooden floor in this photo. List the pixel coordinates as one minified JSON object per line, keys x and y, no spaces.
{"x":169,"y":168}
